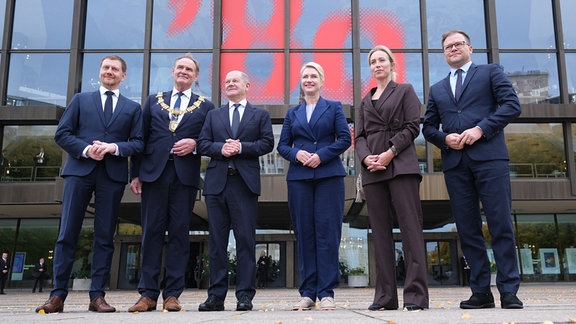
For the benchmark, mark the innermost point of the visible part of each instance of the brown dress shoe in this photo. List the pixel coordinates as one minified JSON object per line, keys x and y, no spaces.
{"x":54,"y":304}
{"x":171,"y":304}
{"x":144,"y":304}
{"x":100,"y":305}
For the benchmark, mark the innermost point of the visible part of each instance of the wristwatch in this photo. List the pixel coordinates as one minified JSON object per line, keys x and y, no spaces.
{"x":393,"y":149}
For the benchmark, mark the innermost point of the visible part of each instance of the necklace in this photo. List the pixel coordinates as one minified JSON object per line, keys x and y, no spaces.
{"x":177,"y":112}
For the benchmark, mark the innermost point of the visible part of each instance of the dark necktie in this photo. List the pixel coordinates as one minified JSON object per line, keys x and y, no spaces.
{"x":235,"y":119}
{"x":458,"y":91}
{"x":176,"y":111}
{"x":108,"y":107}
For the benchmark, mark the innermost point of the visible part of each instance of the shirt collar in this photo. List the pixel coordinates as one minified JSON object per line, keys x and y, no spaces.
{"x":464,"y":68}
{"x":242,"y":103}
{"x":187,"y":92}
{"x":103,"y":91}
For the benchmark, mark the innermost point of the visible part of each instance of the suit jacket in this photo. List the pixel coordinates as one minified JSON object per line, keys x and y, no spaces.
{"x":4,"y":265}
{"x":395,"y":120}
{"x":159,"y":140}
{"x":83,"y":122}
{"x":488,"y":101}
{"x":327,"y":134}
{"x":256,"y":136}
{"x":38,"y":273}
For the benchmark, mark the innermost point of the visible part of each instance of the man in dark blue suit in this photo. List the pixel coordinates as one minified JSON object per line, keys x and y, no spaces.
{"x":473,"y":104}
{"x":167,"y":174}
{"x":99,"y":131}
{"x":234,"y":137}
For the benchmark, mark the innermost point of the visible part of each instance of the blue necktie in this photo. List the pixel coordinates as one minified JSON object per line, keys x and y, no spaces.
{"x":458,"y":90}
{"x":235,"y":119}
{"x":108,"y":107}
{"x":177,"y":107}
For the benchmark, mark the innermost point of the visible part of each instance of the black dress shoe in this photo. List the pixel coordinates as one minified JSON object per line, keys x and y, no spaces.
{"x":477,"y":301}
{"x":378,"y":307}
{"x":510,"y":301}
{"x":212,"y":304}
{"x":412,"y":308}
{"x":244,"y":303}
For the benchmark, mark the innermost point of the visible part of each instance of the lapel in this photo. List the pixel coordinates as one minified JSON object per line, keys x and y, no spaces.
{"x":98,"y":104}
{"x":223,"y":115}
{"x":469,"y":75}
{"x":319,"y":110}
{"x":119,"y":107}
{"x":382,"y":113}
{"x":300,"y":113}
{"x":167,"y":96}
{"x":448,"y":88}
{"x":249,"y":112}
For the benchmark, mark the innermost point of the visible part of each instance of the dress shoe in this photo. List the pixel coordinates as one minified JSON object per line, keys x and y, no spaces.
{"x":378,"y":307}
{"x":212,"y":304}
{"x":305,"y":303}
{"x":477,"y":301}
{"x":144,"y":304}
{"x":54,"y":304}
{"x":510,"y":301}
{"x":172,"y":304}
{"x":244,"y":303}
{"x":100,"y":305}
{"x":412,"y":308}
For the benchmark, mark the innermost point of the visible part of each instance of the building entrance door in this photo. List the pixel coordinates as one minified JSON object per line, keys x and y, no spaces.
{"x":443,"y":265}
{"x":271,"y":264}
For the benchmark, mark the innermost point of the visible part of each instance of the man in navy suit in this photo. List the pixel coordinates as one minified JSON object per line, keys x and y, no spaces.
{"x":167,"y":174}
{"x":234,"y":137}
{"x":473,"y":104}
{"x":99,"y":131}
{"x":4,"y":270}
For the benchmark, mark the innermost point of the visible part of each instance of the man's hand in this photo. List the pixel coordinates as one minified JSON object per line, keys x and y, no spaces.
{"x":231,"y":148}
{"x":184,"y":146}
{"x":136,"y":186}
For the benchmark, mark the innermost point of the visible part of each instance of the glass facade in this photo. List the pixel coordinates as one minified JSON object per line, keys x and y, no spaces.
{"x":52,"y":49}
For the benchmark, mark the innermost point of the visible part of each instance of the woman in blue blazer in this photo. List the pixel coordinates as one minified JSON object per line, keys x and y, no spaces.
{"x":313,"y":136}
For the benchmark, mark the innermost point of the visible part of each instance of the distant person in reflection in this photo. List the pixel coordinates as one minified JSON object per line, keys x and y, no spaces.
{"x":263,"y":266}
{"x":40,"y":274}
{"x":465,"y":118}
{"x":99,"y":130}
{"x":314,"y":135}
{"x":387,"y":123}
{"x":40,"y":160}
{"x":4,"y":271}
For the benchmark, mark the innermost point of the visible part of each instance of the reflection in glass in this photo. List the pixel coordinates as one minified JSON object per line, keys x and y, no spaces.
{"x":567,"y":240}
{"x":571,"y":76}
{"x":253,"y":24}
{"x":7,"y":232}
{"x":161,"y":79}
{"x":176,"y":24}
{"x":466,"y":15}
{"x":20,"y":149}
{"x":408,"y":70}
{"x":320,"y":24}
{"x":266,"y":72}
{"x":273,"y":163}
{"x":2,"y":14}
{"x":337,"y":67}
{"x":525,"y":24}
{"x":536,"y":150}
{"x":41,"y":24}
{"x":536,"y":232}
{"x":131,"y":87}
{"x":37,"y":79}
{"x":533,"y":75}
{"x":115,"y":24}
{"x":395,"y":24}
{"x":574,"y":141}
{"x":568,"y":8}
{"x":36,"y":238}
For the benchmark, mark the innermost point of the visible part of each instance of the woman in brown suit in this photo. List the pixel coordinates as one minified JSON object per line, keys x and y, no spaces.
{"x":387,"y":123}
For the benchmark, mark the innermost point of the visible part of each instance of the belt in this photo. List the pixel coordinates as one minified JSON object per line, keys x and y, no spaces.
{"x":232,"y":171}
{"x":171,"y":157}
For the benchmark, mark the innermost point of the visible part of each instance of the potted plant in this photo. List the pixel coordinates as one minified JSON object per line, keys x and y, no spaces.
{"x":357,"y":277}
{"x":81,"y":280}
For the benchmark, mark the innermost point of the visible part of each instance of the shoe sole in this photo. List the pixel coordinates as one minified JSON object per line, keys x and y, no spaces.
{"x":489,"y":305}
{"x":211,"y":310}
{"x":513,"y":306}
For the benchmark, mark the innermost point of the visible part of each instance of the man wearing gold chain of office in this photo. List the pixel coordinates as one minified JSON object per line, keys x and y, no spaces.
{"x":167,"y":176}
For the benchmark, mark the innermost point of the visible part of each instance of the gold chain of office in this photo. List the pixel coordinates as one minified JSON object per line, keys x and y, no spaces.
{"x":177,"y":112}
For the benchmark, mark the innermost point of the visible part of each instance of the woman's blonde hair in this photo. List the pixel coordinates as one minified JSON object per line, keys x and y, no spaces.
{"x":390,"y":58}
{"x":316,"y":67}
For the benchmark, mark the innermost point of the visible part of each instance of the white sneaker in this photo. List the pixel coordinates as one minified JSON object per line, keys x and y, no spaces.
{"x":305,"y":303}
{"x":327,"y":303}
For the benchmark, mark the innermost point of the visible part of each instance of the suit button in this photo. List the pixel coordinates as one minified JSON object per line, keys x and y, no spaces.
{"x":459,"y":111}
{"x":315,"y":143}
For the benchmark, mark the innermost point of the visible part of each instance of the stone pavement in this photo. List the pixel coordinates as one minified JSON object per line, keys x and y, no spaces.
{"x":543,"y":303}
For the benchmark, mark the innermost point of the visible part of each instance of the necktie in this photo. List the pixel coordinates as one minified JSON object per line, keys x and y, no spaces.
{"x":108,"y":107}
{"x":176,"y":111}
{"x":458,"y":90}
{"x":235,"y":119}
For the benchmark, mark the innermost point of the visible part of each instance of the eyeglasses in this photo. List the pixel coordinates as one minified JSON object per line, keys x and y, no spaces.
{"x":458,"y":45}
